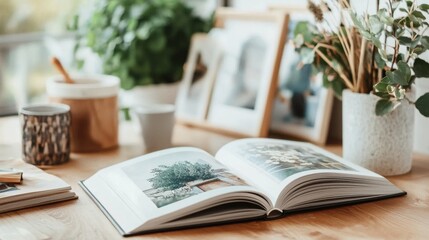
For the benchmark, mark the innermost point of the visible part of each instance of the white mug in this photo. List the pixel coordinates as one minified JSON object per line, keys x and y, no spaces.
{"x":157,"y":123}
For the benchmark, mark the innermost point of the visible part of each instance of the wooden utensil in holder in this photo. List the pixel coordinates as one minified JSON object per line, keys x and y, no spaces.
{"x":94,"y":109}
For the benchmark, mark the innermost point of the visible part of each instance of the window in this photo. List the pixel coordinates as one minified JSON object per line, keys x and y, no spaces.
{"x":30,"y":32}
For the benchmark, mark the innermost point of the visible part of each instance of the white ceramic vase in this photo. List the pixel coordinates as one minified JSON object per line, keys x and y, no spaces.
{"x":383,"y":144}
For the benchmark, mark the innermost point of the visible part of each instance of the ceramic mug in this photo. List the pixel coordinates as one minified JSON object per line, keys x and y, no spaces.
{"x":156,"y":123}
{"x":46,"y":134}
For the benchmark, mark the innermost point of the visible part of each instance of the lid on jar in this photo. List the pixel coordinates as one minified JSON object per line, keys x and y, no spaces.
{"x":84,"y":86}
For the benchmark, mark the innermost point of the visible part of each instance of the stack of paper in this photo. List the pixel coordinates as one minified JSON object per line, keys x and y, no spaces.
{"x":37,"y":188}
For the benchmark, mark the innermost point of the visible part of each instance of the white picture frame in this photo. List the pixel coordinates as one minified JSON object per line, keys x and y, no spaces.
{"x":302,"y":106}
{"x":199,"y":73}
{"x":247,"y":78}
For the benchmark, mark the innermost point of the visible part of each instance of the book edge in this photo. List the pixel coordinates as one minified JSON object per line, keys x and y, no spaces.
{"x":285,"y":212}
{"x":125,"y":234}
{"x":103,"y":210}
{"x":348,"y":203}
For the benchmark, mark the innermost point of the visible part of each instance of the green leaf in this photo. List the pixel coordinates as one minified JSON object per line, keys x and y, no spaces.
{"x":399,"y":93}
{"x":385,"y":17}
{"x":422,"y":104}
{"x":358,"y":22}
{"x":376,"y":41}
{"x":143,"y":32}
{"x":379,"y":61}
{"x":424,"y":7}
{"x":307,"y":55}
{"x":405,"y":41}
{"x":367,"y":35}
{"x":381,"y":87}
{"x":400,"y":57}
{"x":376,"y":26}
{"x":382,"y":54}
{"x":304,"y":28}
{"x":419,"y":49}
{"x":383,"y":107}
{"x":403,"y":10}
{"x":338,"y":87}
{"x":299,"y":40}
{"x":425,"y":41}
{"x":419,"y":14}
{"x":421,"y":68}
{"x":402,"y":75}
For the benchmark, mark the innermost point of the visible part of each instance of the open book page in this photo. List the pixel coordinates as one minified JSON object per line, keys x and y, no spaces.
{"x":298,"y":175}
{"x":36,"y":183}
{"x":155,"y":190}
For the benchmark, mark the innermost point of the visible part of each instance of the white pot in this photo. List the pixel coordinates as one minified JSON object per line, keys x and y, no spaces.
{"x":421,"y":132}
{"x":146,"y":95}
{"x":383,"y":144}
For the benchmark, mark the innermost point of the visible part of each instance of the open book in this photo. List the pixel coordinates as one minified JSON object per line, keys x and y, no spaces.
{"x":37,"y":188}
{"x":247,"y":179}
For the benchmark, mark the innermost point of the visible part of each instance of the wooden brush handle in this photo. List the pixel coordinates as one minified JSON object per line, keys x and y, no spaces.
{"x":57,"y":64}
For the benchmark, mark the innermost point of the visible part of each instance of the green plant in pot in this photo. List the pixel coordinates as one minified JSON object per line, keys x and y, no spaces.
{"x":371,"y":62}
{"x":142,"y":42}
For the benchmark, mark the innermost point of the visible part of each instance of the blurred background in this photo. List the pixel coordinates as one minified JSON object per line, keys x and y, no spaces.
{"x":31,"y":31}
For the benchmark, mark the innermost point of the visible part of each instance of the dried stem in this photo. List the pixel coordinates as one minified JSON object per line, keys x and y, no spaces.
{"x":359,"y":87}
{"x":340,"y":73}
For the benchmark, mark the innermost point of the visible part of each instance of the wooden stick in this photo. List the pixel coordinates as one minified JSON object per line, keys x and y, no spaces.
{"x":361,"y":66}
{"x":57,"y":64}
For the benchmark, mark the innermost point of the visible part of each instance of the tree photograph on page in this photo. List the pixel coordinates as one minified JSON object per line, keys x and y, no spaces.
{"x":171,"y":179}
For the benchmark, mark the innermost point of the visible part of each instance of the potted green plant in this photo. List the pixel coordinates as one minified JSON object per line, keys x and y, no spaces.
{"x":371,"y":62}
{"x":143,"y":42}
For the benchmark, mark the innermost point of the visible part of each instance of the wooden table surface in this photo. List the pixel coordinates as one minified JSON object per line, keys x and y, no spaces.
{"x":397,"y":218}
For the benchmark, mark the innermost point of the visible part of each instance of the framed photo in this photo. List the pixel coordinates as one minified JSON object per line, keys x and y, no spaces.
{"x":246,"y":80}
{"x":199,"y":73}
{"x":302,"y":106}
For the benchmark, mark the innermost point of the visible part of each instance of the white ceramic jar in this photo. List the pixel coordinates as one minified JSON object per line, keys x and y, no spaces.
{"x":383,"y":144}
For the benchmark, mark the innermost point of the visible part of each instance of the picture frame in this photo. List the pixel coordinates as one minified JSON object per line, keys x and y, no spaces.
{"x":246,"y":81}
{"x":302,"y":106}
{"x":199,"y":73}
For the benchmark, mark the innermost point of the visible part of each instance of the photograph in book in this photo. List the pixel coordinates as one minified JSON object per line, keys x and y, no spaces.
{"x":6,"y":187}
{"x":282,"y":160}
{"x":168,"y":180}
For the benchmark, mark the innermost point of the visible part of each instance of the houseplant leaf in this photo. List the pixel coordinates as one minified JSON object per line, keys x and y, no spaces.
{"x":384,"y":106}
{"x":421,"y":68}
{"x":422,"y":104}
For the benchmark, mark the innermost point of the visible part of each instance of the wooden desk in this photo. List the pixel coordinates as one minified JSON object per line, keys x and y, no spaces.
{"x":398,"y":218}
